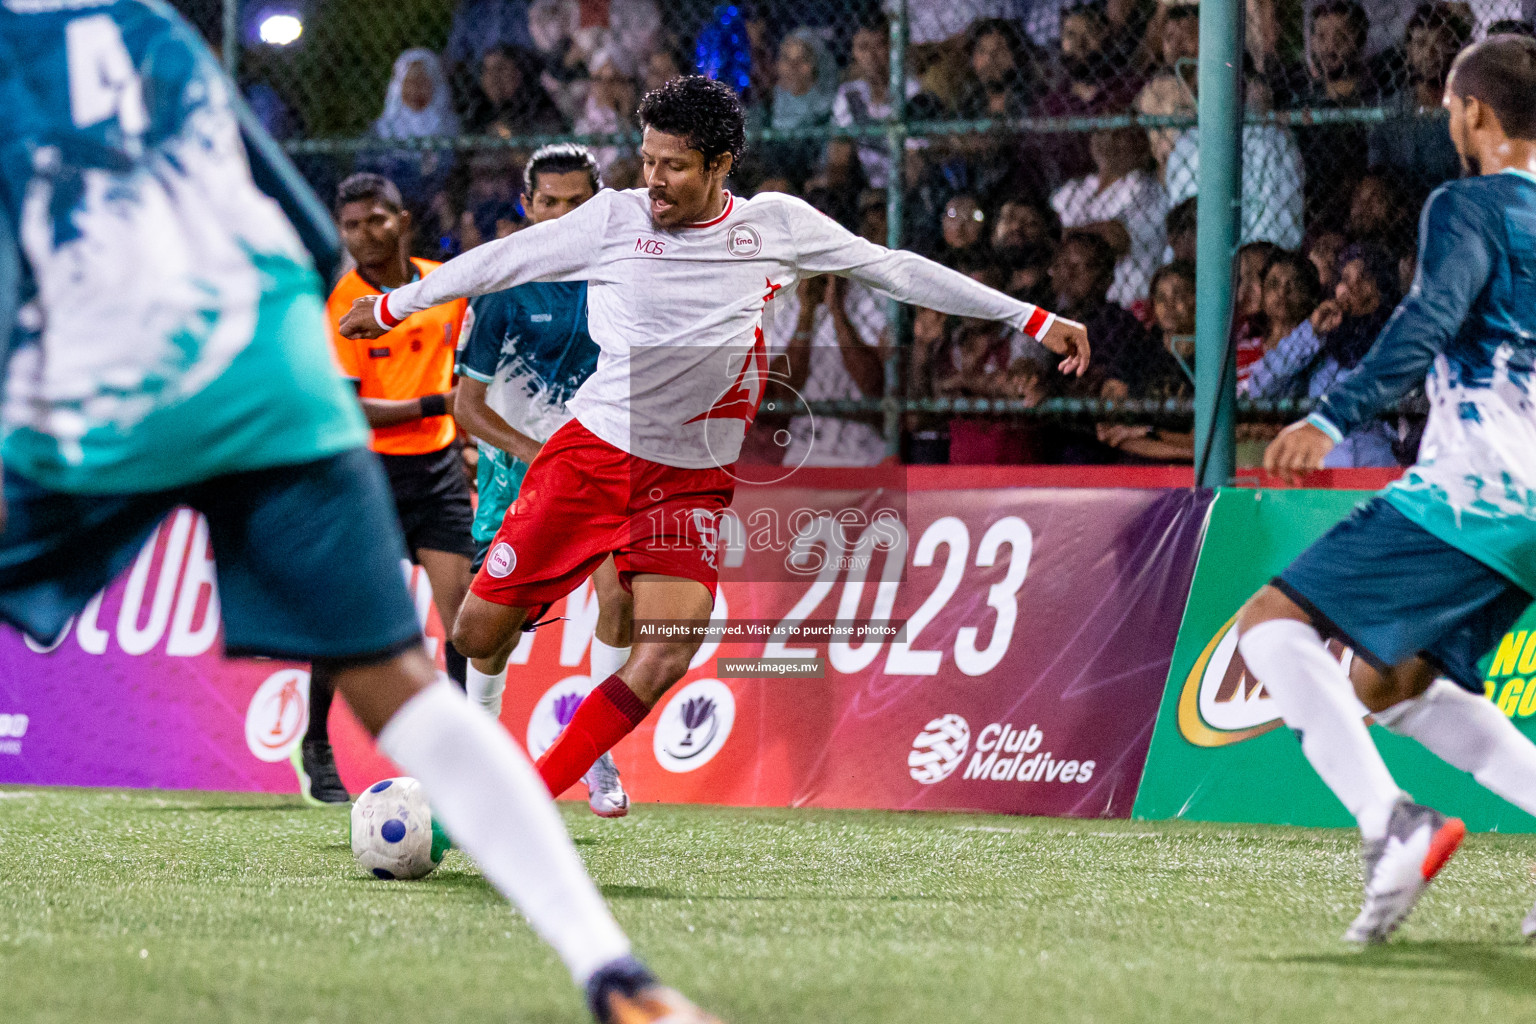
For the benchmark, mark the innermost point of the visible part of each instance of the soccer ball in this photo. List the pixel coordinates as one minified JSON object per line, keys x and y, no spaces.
{"x":393,"y":834}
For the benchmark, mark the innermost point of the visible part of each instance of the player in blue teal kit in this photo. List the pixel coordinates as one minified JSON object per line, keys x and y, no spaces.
{"x":524,"y":352}
{"x":164,"y":343}
{"x":1422,"y":580}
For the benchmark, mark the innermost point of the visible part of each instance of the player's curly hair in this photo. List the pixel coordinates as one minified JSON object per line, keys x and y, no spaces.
{"x":705,"y":112}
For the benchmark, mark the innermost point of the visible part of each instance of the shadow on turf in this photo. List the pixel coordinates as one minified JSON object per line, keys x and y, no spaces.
{"x":1505,"y":965}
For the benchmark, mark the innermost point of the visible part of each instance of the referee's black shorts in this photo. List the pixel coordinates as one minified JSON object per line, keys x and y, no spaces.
{"x":432,"y":500}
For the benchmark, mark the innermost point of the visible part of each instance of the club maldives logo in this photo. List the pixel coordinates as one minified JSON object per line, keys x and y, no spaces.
{"x":278,"y":715}
{"x":694,"y":726}
{"x":554,"y":711}
{"x":1004,"y":753}
{"x":1221,"y":703}
{"x":938,"y":749}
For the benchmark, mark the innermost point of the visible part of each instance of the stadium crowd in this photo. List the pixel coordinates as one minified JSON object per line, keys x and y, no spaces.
{"x":1098,"y":225}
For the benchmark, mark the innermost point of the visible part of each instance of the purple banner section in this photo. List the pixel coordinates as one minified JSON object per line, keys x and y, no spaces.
{"x":1055,"y":718}
{"x":136,"y":692}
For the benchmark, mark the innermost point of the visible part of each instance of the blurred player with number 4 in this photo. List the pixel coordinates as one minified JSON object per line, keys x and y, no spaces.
{"x":165,"y":345}
{"x":679,"y":277}
{"x":1424,"y":579}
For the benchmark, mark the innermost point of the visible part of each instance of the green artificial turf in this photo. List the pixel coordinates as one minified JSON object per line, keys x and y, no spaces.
{"x":169,"y":907}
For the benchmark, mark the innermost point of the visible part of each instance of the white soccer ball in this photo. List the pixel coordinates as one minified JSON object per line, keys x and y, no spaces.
{"x":393,"y":835}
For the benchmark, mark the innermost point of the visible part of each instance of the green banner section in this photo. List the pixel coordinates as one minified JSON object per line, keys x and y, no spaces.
{"x":1219,"y":751}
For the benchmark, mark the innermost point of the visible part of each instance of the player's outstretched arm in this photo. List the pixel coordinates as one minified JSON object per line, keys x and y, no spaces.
{"x":824,"y":246}
{"x":556,"y":250}
{"x":1456,"y":254}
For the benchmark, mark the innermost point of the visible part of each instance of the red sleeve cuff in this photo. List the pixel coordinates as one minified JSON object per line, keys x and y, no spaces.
{"x":1039,"y":322}
{"x":382,"y":315}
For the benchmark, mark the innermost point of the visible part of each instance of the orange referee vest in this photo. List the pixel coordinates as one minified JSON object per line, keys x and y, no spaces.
{"x":412,"y":360}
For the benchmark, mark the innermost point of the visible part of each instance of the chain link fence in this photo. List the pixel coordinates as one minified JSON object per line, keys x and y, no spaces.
{"x":1047,"y":148}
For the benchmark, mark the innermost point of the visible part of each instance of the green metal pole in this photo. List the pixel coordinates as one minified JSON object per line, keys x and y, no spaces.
{"x":230,"y":49}
{"x":1219,"y":211}
{"x":895,"y":214}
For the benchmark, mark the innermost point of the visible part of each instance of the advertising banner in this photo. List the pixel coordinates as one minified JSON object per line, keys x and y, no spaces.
{"x":1037,"y":628}
{"x":136,"y":692}
{"x":1220,"y":751}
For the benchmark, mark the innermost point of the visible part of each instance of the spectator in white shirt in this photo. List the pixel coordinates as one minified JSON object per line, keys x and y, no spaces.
{"x":1164,"y":95}
{"x":866,"y":97}
{"x":1273,"y":176}
{"x":1122,"y":202}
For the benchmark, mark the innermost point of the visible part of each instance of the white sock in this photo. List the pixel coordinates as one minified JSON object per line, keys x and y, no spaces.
{"x":1469,"y":732}
{"x":497,"y":809}
{"x":486,"y":690}
{"x":1316,"y":700}
{"x":606,"y":660}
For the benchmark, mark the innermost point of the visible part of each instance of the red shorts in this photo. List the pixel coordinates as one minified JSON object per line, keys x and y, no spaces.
{"x":582,"y":500}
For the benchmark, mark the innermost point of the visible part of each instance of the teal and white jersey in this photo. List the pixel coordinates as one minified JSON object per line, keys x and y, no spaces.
{"x":530,"y":346}
{"x":1470,"y":322}
{"x":170,"y":326}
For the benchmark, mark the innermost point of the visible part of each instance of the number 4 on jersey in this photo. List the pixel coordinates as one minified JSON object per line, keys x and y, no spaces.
{"x":103,"y":83}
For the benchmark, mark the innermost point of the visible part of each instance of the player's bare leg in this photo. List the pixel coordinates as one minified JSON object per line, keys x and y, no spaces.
{"x":621,"y":702}
{"x":482,"y":623}
{"x":449,"y":575}
{"x":1406,"y":845}
{"x":610,"y":650}
{"x":499,"y":812}
{"x":485,"y":631}
{"x":1464,"y":729}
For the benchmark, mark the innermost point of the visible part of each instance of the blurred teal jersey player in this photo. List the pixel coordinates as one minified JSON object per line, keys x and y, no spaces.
{"x":167,"y":333}
{"x":165,"y":345}
{"x":524,"y":352}
{"x":1421,"y":581}
{"x":529,"y":346}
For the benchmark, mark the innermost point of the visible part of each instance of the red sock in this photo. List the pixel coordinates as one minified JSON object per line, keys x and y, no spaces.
{"x":609,"y":713}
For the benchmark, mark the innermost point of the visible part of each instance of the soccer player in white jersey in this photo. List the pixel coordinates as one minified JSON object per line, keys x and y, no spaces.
{"x":679,"y":274}
{"x":127,"y":199}
{"x":1423,"y":579}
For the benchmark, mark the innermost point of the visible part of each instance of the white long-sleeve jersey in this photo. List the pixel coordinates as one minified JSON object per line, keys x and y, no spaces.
{"x":678,"y":314}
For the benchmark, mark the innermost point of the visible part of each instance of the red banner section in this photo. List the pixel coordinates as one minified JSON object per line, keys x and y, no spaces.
{"x":1039,"y":629}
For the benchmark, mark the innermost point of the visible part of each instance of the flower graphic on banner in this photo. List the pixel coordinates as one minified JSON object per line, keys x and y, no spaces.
{"x":695,"y":713}
{"x":565,"y":707}
{"x":694,"y":725}
{"x":554,"y":711}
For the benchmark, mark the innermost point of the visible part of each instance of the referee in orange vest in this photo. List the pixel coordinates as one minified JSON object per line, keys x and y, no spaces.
{"x":404,"y":381}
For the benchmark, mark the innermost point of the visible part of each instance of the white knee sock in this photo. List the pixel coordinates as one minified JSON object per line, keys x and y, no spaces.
{"x":606,"y":660}
{"x":1316,"y":700}
{"x":497,"y":809}
{"x":485,"y":690}
{"x":1469,"y":732}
